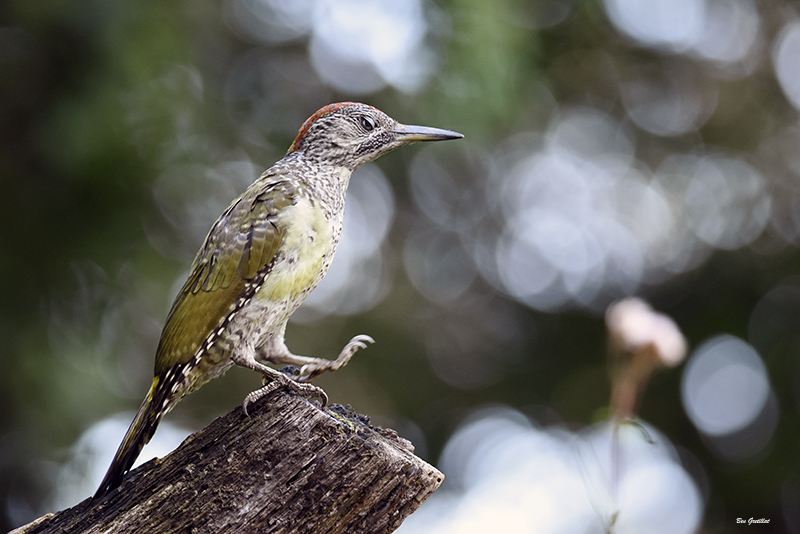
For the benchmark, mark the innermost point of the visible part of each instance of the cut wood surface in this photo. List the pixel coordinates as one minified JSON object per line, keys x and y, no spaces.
{"x":289,"y":467}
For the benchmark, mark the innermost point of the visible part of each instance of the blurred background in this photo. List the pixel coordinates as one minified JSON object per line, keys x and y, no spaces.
{"x":612,"y":148}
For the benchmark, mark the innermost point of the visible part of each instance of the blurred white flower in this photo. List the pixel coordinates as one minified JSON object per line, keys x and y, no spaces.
{"x":633,"y":326}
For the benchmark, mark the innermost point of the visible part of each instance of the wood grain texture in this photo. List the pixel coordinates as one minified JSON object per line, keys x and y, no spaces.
{"x":290,"y":467}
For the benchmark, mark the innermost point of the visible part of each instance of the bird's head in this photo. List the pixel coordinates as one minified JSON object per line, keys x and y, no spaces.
{"x":349,"y":134}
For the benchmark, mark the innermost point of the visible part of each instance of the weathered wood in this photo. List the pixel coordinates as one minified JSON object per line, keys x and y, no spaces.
{"x":290,"y":467}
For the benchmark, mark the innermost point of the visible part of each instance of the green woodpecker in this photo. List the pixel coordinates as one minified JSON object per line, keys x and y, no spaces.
{"x":260,"y":260}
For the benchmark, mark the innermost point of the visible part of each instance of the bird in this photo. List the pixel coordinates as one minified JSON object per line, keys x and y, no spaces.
{"x":261,"y":258}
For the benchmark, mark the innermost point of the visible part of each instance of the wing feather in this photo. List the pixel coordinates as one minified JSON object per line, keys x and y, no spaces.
{"x":243,"y":242}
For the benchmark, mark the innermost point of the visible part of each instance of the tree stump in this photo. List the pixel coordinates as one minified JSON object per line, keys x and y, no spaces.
{"x":290,"y":467}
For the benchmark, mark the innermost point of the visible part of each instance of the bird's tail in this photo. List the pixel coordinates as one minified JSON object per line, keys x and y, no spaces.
{"x":141,"y":430}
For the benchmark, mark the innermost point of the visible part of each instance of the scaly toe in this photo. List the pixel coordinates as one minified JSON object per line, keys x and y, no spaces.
{"x":304,"y":390}
{"x":309,"y":391}
{"x":257,"y":394}
{"x":312,"y":370}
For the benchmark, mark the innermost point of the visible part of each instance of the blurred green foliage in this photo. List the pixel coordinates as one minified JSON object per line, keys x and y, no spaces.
{"x":100,"y":99}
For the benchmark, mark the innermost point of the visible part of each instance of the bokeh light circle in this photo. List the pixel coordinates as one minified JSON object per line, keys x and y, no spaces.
{"x":725,"y":386}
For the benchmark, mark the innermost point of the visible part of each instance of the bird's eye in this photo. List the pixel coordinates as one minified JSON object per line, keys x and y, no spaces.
{"x":367,"y":122}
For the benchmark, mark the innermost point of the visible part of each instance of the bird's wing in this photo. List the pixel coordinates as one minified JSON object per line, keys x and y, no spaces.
{"x":242,"y":243}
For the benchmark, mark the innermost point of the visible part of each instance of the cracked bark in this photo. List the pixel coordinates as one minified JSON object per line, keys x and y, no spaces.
{"x":290,"y":467}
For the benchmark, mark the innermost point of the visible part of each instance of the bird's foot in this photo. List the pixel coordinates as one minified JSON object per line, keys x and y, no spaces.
{"x":280,"y":380}
{"x":311,"y":370}
{"x":292,"y":371}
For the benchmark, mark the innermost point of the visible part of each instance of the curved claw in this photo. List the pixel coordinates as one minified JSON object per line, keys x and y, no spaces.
{"x":312,"y":370}
{"x":358,"y":342}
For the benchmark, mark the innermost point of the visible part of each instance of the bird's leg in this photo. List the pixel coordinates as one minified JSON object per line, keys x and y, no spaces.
{"x":246,"y":358}
{"x":275,"y":351}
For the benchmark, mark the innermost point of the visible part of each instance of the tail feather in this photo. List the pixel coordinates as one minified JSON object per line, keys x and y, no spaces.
{"x":139,"y":434}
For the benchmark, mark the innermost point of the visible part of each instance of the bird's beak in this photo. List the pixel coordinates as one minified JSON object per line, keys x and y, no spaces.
{"x":411,"y":134}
